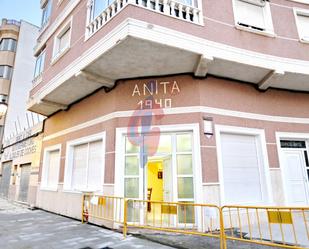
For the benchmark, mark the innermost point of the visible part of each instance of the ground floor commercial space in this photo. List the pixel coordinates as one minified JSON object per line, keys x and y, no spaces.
{"x":178,"y":139}
{"x":20,"y":166}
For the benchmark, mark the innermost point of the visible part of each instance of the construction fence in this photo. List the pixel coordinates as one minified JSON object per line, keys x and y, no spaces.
{"x":282,"y":227}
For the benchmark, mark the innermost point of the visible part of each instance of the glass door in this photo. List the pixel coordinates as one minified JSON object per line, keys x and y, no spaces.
{"x":159,"y":170}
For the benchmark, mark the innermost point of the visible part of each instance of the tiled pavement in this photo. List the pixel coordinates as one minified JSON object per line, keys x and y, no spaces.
{"x":21,"y":228}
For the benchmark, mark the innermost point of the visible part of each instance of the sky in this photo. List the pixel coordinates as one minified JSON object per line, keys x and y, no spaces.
{"x":27,"y":10}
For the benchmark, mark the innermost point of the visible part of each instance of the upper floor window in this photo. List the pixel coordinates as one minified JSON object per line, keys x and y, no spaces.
{"x":62,"y":41}
{"x":254,"y":15}
{"x":46,"y":13}
{"x":8,"y":44}
{"x":39,"y":65}
{"x":6,"y":72}
{"x":302,"y":21}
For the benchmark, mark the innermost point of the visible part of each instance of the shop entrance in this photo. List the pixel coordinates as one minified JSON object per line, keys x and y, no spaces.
{"x":159,"y":169}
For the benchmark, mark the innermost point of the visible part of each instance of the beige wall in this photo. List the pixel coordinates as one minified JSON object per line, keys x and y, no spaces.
{"x":18,"y":161}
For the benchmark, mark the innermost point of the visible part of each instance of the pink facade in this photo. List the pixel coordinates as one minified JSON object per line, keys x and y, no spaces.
{"x":252,"y":84}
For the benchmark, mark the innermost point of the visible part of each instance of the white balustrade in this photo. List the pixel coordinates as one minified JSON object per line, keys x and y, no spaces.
{"x":172,"y":8}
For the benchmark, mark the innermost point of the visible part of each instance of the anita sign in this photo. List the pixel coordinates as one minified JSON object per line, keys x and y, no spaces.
{"x":155,"y":97}
{"x":159,"y":91}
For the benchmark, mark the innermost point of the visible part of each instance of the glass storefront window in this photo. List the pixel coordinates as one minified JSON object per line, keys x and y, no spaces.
{"x":184,"y":165}
{"x":157,"y":144}
{"x":174,"y":151}
{"x":186,"y":214}
{"x":131,"y":145}
{"x":132,"y":165}
{"x":184,"y":142}
{"x":131,"y":187}
{"x":185,"y":187}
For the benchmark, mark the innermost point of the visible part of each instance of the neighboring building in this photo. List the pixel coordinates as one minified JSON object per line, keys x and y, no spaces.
{"x":20,"y":165}
{"x":224,"y":82}
{"x":20,"y":141}
{"x":9,"y":33}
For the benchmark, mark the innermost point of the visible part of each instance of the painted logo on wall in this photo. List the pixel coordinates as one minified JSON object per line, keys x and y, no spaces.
{"x":156,"y":96}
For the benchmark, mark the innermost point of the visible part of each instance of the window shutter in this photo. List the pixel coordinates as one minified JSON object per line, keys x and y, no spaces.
{"x":304,"y":26}
{"x":250,"y":14}
{"x":64,"y":40}
{"x":53,"y":168}
{"x":95,"y":165}
{"x":79,"y":175}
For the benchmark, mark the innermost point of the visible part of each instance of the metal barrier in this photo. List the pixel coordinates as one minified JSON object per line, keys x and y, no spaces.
{"x":177,"y":217}
{"x":285,"y":227}
{"x":96,"y":208}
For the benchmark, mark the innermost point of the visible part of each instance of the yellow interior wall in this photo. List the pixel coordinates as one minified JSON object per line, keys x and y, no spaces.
{"x":153,"y":181}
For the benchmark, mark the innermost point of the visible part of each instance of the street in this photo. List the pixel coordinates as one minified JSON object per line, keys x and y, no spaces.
{"x":25,"y":229}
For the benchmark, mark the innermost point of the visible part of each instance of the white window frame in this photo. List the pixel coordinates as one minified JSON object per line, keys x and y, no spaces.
{"x":196,"y":163}
{"x":196,"y":156}
{"x":44,"y":23}
{"x":303,"y":12}
{"x":260,"y":134}
{"x":44,"y":175}
{"x":58,"y":54}
{"x":267,"y":15}
{"x":69,"y":161}
{"x":42,"y":66}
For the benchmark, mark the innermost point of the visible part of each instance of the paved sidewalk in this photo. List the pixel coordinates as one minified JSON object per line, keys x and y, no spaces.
{"x":21,"y":228}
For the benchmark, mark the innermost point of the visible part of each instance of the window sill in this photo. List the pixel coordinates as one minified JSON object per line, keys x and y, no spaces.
{"x":69,"y":191}
{"x":305,"y":41}
{"x":83,"y":191}
{"x":50,"y":189}
{"x":58,"y":56}
{"x":265,"y":33}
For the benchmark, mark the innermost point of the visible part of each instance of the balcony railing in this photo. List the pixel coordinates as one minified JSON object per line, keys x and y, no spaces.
{"x":171,"y":8}
{"x":10,"y":22}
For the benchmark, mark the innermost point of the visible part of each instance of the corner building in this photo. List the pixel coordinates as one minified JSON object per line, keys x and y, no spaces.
{"x":223,"y":85}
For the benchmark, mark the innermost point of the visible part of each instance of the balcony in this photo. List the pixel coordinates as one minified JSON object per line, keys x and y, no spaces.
{"x":171,"y":8}
{"x":136,"y":48}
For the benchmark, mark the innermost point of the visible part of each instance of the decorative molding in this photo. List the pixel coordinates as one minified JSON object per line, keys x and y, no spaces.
{"x":182,"y":110}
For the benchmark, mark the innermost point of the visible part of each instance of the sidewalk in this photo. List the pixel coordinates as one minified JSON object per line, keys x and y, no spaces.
{"x":21,"y":228}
